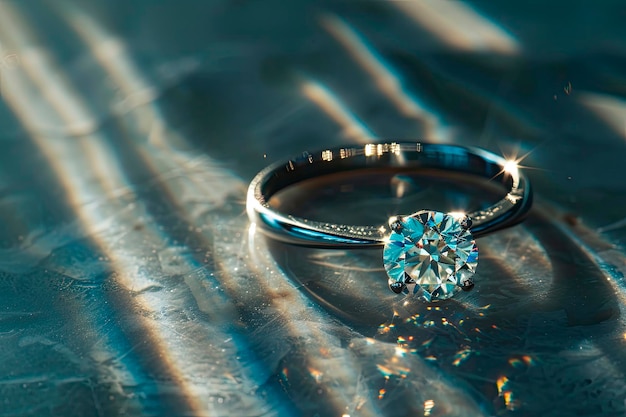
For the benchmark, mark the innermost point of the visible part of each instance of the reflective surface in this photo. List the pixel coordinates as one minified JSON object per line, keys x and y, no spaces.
{"x":130,"y":283}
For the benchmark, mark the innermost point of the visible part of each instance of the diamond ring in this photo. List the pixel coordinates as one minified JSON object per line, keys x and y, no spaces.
{"x":430,"y":253}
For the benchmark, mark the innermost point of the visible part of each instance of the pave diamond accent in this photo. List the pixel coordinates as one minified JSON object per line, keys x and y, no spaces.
{"x":430,"y":253}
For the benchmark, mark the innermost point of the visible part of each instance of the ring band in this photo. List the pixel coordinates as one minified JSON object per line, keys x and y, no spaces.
{"x":418,"y":241}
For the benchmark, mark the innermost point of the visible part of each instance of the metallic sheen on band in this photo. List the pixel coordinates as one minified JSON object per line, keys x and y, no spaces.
{"x":414,"y":156}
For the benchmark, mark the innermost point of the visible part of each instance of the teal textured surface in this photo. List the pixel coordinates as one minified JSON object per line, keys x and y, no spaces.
{"x":131,"y":282}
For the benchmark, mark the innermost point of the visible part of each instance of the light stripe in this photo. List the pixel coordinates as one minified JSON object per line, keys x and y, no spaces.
{"x":459,"y":26}
{"x":388,"y":83}
{"x":170,"y":165}
{"x":161,"y":156}
{"x":85,"y":193}
{"x":610,"y":109}
{"x":324,"y":98}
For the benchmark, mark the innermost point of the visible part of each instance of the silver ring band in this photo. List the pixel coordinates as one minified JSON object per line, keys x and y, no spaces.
{"x":475,"y":161}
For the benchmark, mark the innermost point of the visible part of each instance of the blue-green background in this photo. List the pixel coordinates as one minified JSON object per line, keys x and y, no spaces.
{"x":130,"y":283}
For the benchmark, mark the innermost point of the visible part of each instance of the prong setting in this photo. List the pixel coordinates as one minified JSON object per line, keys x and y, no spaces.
{"x":465,"y":222}
{"x":396,"y":287}
{"x":467,"y":285}
{"x":395,"y":223}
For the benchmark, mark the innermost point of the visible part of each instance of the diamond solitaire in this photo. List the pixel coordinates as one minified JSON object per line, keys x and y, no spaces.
{"x":430,"y":253}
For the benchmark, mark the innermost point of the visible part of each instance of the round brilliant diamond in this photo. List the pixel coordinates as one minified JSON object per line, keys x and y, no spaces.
{"x":430,"y":253}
